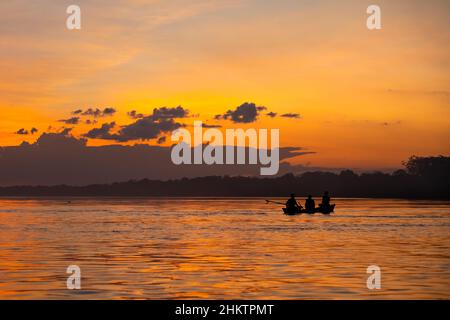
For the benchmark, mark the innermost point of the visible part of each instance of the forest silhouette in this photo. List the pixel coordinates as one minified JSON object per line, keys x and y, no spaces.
{"x":422,"y":177}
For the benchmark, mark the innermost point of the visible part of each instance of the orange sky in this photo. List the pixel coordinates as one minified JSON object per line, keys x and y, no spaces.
{"x":368,"y":99}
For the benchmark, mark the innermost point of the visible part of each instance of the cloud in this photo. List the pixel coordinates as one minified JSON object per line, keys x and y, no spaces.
{"x":152,"y":126}
{"x":134,"y":115}
{"x":249,"y":112}
{"x":59,"y":158}
{"x":146,"y":128}
{"x":165,"y":113}
{"x":386,"y":123}
{"x":374,"y":123}
{"x":89,"y":121}
{"x":161,"y":121}
{"x":22,"y":131}
{"x":92,"y":112}
{"x":245,"y":113}
{"x":291,"y":115}
{"x":59,"y":143}
{"x":162,"y":113}
{"x":102,"y":133}
{"x":65,"y":131}
{"x":108,"y":111}
{"x":161,"y":140}
{"x":73,"y":120}
{"x":205,"y":125}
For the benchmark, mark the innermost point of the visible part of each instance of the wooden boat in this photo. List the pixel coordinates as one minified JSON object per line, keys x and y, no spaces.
{"x":316,"y":210}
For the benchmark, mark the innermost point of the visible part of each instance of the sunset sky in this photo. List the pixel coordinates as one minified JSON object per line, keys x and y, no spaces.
{"x":366,"y":99}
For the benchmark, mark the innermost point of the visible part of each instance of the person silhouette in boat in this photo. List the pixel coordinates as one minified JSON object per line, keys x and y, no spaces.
{"x":292,"y":204}
{"x":325,"y":205}
{"x":310,"y":204}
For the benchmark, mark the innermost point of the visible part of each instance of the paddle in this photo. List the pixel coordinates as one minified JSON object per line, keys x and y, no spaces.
{"x":271,"y":201}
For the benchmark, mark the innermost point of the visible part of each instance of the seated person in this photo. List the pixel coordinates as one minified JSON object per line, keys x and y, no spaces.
{"x":292,"y":204}
{"x":310,"y":204}
{"x":325,"y":200}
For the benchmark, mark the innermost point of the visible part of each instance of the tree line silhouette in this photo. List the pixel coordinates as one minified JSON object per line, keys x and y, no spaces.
{"x":423,"y":177}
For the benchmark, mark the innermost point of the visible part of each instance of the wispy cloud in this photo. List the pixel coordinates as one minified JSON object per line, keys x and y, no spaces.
{"x":95,"y":112}
{"x":73,"y":120}
{"x":291,"y":115}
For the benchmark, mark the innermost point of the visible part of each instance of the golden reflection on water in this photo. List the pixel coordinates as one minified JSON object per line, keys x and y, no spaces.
{"x":222,"y":249}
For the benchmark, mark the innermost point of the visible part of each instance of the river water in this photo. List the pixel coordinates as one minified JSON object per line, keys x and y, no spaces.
{"x":222,"y":249}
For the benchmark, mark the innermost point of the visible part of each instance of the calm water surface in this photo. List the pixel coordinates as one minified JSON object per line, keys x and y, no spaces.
{"x":222,"y":249}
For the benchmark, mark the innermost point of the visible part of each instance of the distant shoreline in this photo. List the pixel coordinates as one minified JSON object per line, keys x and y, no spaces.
{"x":347,"y":184}
{"x":423,"y":178}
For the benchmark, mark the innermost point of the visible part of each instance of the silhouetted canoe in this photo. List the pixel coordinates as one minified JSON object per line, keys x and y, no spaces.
{"x":316,"y":210}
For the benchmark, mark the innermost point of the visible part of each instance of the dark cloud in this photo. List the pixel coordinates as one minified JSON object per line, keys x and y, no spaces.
{"x":146,"y":128}
{"x":73,"y":120}
{"x":291,"y":115}
{"x":22,"y":131}
{"x":135,"y":115}
{"x":161,"y":121}
{"x":108,"y":111}
{"x":142,"y":129}
{"x":386,"y":124}
{"x":161,"y":140}
{"x":65,"y":131}
{"x":59,"y":158}
{"x":24,"y":144}
{"x":59,"y":142}
{"x":162,"y":113}
{"x":249,"y":112}
{"x":92,"y":112}
{"x":89,"y":121}
{"x":102,"y":133}
{"x":170,"y":113}
{"x":205,"y":125}
{"x":245,"y":113}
